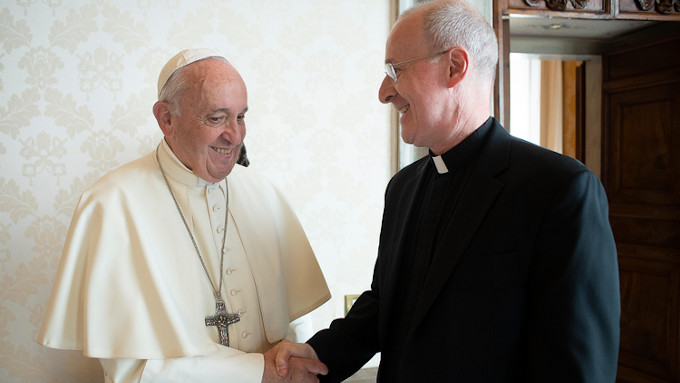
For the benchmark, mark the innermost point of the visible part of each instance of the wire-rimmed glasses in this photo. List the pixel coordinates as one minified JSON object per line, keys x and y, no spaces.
{"x":392,"y":73}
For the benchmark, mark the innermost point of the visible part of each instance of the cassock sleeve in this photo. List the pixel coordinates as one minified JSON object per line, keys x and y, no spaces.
{"x":227,"y":364}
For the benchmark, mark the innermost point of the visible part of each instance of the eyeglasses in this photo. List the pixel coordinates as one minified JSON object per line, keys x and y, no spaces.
{"x":391,"y":73}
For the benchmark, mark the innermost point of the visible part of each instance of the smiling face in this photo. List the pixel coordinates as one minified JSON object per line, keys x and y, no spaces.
{"x":208,"y":133}
{"x":411,"y":94}
{"x":419,"y":86}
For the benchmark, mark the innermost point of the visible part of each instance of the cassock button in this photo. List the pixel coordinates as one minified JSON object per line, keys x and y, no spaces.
{"x":229,"y":271}
{"x":216,"y":207}
{"x":233,"y":292}
{"x":245,"y":334}
{"x":220,"y":228}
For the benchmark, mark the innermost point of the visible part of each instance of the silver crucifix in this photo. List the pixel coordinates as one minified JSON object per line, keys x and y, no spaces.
{"x":222,"y":320}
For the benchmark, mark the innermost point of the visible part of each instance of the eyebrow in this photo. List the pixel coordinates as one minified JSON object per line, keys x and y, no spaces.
{"x":227,"y":110}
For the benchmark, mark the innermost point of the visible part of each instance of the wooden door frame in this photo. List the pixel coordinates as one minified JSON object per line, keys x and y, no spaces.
{"x":501,"y":99}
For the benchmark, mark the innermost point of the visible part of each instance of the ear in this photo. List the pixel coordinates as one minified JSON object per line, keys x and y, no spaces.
{"x":162,"y":113}
{"x":459,"y":61}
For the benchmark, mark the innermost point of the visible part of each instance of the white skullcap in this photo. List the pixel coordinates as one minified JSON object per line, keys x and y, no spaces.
{"x":181,"y":59}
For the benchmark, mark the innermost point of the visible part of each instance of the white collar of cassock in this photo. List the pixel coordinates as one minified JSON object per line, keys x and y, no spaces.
{"x":440,"y":165}
{"x":177,"y":170}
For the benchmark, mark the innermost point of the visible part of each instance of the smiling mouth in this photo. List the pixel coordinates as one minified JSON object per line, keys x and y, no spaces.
{"x":405,"y":109}
{"x":222,"y":150}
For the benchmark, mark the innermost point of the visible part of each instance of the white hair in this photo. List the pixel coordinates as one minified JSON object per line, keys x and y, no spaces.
{"x":453,"y":23}
{"x":173,"y":90}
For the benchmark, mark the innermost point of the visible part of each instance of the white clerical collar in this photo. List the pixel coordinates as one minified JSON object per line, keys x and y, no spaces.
{"x":177,"y":170}
{"x":440,"y":165}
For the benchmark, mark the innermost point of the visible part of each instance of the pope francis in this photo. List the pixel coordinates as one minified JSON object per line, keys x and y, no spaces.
{"x":183,"y":266}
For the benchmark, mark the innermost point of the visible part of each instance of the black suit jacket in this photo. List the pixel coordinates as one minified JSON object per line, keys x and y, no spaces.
{"x":522,"y":288}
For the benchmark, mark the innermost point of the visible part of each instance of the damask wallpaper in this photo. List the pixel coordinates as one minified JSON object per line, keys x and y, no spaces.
{"x":77,"y":83}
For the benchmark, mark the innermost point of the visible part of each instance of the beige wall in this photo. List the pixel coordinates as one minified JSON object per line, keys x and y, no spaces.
{"x":77,"y":82}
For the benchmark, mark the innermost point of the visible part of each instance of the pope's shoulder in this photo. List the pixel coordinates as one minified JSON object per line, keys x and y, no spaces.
{"x":136,"y":172}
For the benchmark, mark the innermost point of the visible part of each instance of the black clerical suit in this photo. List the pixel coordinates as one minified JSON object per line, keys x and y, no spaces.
{"x":508,"y":275}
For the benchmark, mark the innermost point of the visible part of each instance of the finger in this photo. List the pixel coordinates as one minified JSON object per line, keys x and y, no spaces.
{"x":308,"y":366}
{"x":283,"y":354}
{"x":317,"y":368}
{"x":286,"y":350}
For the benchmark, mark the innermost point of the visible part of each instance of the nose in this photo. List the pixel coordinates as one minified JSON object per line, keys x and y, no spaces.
{"x":234,"y":131}
{"x":386,"y":92}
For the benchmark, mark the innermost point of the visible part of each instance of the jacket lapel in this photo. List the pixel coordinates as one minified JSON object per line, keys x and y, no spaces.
{"x":475,"y":201}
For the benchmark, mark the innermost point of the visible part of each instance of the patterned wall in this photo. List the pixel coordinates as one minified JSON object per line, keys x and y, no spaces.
{"x":77,"y":82}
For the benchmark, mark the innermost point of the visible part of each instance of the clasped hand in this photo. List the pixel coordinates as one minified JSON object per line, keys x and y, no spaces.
{"x":292,"y":362}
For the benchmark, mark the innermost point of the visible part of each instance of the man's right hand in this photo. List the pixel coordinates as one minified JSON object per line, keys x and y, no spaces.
{"x":292,"y":362}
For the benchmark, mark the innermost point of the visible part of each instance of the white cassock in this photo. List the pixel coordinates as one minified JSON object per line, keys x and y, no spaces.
{"x":131,"y":290}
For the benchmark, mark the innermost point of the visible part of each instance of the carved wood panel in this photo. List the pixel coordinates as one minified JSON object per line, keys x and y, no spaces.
{"x":569,"y":7}
{"x":649,"y":290}
{"x":558,"y":5}
{"x":647,"y":8}
{"x":643,"y":129}
{"x":645,"y":217}
{"x":641,"y":174}
{"x":597,"y":9}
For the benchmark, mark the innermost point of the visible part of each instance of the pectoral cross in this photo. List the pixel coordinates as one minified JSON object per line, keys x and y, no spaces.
{"x":222,"y":320}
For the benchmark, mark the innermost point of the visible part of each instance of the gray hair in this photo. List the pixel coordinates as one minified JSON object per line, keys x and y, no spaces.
{"x":458,"y":23}
{"x":173,"y":90}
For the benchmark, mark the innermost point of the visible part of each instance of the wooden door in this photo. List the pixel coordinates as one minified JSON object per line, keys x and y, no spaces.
{"x":641,"y":173}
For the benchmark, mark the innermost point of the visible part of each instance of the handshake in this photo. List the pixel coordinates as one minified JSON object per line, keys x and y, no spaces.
{"x":292,"y":362}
